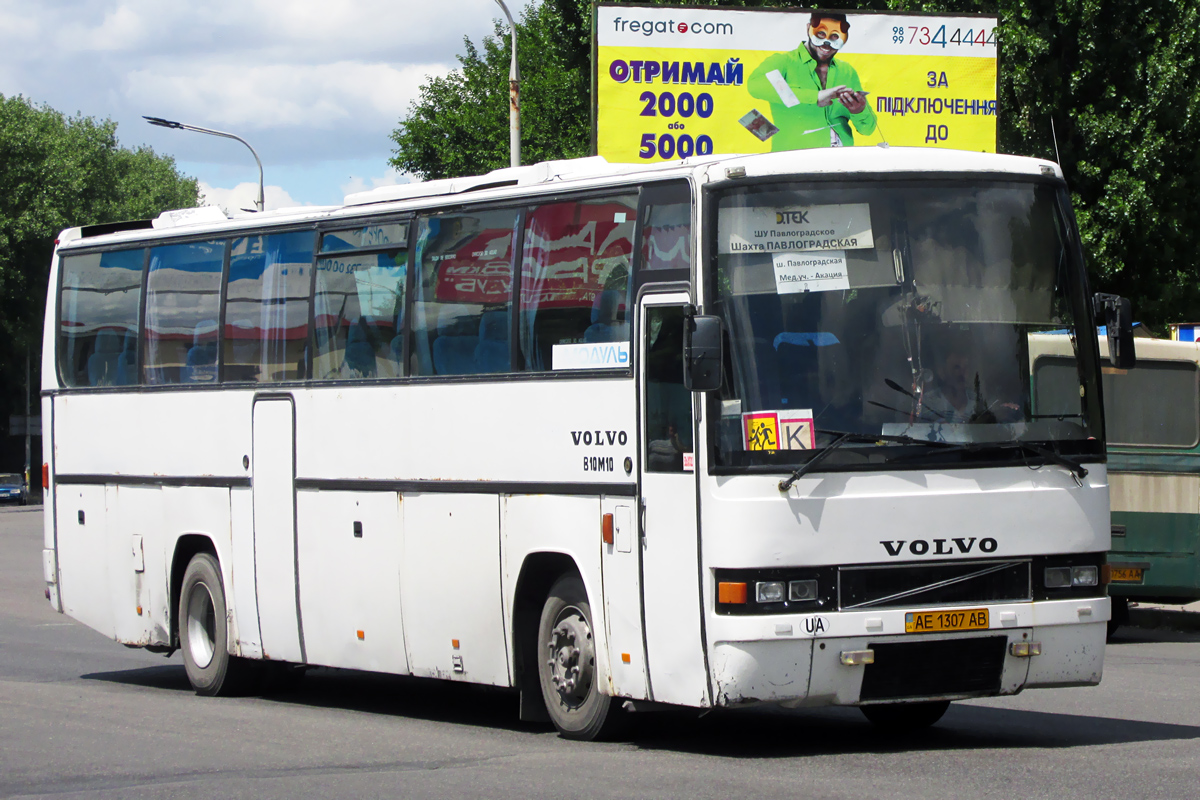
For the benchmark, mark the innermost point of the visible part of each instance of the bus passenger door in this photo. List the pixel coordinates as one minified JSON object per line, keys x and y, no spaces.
{"x":273,"y":469}
{"x":670,"y":541}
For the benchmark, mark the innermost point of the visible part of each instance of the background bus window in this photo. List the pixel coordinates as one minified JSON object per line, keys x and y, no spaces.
{"x":575,"y":285}
{"x":666,"y":233}
{"x":359,"y":309}
{"x":668,"y":402}
{"x":97,"y":338}
{"x":266,"y":307}
{"x":183,"y":304}
{"x":460,"y":322}
{"x":1154,"y":403}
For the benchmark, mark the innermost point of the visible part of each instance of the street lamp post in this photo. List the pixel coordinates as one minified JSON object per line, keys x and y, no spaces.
{"x":166,"y":123}
{"x":514,"y":96}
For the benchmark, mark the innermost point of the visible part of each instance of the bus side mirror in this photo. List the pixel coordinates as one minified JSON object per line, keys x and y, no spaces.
{"x":702,"y":353}
{"x":1118,"y":319}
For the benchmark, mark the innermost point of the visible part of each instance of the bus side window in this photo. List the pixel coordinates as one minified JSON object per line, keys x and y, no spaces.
{"x":666,"y":246}
{"x":668,"y":402}
{"x":97,"y":337}
{"x":183,"y":299}
{"x":575,"y":276}
{"x":266,"y":307}
{"x":463,"y":291}
{"x":359,"y":311}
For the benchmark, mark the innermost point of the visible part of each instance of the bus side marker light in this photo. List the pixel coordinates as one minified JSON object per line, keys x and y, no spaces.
{"x":454,"y":643}
{"x":1025,"y":649}
{"x":625,"y":658}
{"x":606,"y":528}
{"x":362,"y":635}
{"x":46,"y":476}
{"x":854,"y":658}
{"x":731,"y":592}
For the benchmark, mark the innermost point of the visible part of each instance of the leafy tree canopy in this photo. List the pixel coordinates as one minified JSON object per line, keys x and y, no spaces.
{"x":56,"y":172}
{"x":1121,"y":82}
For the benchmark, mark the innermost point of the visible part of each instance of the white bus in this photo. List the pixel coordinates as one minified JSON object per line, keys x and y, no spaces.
{"x":719,"y":432}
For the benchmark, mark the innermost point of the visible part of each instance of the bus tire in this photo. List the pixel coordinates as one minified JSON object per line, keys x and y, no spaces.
{"x":901,"y":717}
{"x":566,"y":665}
{"x":211,"y":670}
{"x":1120,"y":615}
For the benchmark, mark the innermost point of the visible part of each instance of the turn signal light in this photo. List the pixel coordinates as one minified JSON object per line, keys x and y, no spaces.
{"x":731,"y":592}
{"x":606,"y":528}
{"x":1105,"y":574}
{"x":45,"y":476}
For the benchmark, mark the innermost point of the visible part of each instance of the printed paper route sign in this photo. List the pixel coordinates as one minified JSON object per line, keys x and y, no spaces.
{"x":811,"y":272}
{"x":675,"y":82}
{"x":778,"y":430}
{"x":844,"y":226}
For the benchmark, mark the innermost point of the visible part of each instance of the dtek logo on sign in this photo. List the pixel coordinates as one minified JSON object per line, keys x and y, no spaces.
{"x":651,"y":27}
{"x":939,"y":547}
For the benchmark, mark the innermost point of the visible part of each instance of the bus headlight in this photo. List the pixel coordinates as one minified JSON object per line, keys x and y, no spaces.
{"x":1058,"y":577}
{"x":769,"y":592}
{"x":1062,"y":577}
{"x":802,"y":590}
{"x":1085,"y":576}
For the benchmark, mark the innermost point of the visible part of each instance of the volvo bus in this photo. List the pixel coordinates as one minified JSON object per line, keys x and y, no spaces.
{"x":720,"y":432}
{"x":1152,"y":414}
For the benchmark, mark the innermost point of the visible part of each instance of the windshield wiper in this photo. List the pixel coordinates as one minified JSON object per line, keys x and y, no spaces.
{"x":843,"y":437}
{"x":1077,"y":469}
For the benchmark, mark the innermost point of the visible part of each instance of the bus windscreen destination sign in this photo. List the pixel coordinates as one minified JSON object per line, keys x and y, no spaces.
{"x":675,"y":82}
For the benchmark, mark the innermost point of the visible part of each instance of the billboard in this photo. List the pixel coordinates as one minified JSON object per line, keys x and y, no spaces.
{"x":677,"y":81}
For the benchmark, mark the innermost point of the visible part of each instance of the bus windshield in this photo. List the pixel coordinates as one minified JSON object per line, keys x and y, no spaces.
{"x":897,"y":309}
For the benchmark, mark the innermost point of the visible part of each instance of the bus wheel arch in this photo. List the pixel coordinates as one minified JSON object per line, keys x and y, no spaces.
{"x":538,"y":573}
{"x":187,"y":547}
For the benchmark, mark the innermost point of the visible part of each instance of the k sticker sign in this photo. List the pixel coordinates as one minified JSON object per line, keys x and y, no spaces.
{"x":673,"y":82}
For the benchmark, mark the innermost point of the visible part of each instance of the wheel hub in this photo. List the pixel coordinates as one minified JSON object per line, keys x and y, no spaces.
{"x":201,"y":626}
{"x":571,"y":657}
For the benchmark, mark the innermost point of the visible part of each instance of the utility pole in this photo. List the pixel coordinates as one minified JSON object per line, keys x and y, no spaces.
{"x":514,"y":96}
{"x":28,"y":416}
{"x":183,"y":126}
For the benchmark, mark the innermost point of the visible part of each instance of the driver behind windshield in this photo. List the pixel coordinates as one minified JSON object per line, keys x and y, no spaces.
{"x":959,"y":393}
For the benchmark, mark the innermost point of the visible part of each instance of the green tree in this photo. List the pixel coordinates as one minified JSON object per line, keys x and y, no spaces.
{"x":1119,"y":81}
{"x":56,"y":172}
{"x":459,"y":126}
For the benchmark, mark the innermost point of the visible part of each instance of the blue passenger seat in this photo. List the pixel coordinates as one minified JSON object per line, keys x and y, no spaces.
{"x":360,"y":355}
{"x":127,"y":362}
{"x":491,"y":354}
{"x":604,"y":327}
{"x":201,"y":363}
{"x":102,"y":364}
{"x":453,"y":353}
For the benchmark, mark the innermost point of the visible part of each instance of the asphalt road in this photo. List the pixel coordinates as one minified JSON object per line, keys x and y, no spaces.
{"x":81,"y":716}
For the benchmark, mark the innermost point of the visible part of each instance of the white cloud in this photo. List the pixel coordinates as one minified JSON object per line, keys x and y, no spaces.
{"x":243,"y":197}
{"x":390,"y":178}
{"x":311,"y":83}
{"x":281,"y":95}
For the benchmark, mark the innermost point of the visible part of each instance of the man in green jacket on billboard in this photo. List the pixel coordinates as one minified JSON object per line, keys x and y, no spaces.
{"x":814,"y":97}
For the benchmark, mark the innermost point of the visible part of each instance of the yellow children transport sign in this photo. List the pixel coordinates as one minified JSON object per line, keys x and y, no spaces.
{"x":676,"y":82}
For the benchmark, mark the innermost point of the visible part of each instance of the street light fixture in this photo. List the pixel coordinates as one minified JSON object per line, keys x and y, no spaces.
{"x":514,"y":96}
{"x":182,"y":126}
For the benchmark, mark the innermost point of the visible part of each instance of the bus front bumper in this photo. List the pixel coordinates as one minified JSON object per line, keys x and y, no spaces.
{"x":856,"y":658}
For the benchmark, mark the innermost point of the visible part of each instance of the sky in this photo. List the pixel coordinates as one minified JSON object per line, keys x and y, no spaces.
{"x":316,"y":86}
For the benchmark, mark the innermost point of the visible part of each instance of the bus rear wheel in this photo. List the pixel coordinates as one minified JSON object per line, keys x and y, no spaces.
{"x":567,"y":665}
{"x":901,"y":717}
{"x":203,"y":633}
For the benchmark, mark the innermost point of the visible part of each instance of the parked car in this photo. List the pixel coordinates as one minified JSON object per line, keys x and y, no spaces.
{"x":12,"y":488}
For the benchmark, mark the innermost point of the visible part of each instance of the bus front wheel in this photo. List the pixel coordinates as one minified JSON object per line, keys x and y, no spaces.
{"x":567,"y":665}
{"x":899,"y":717}
{"x":203,"y":634}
